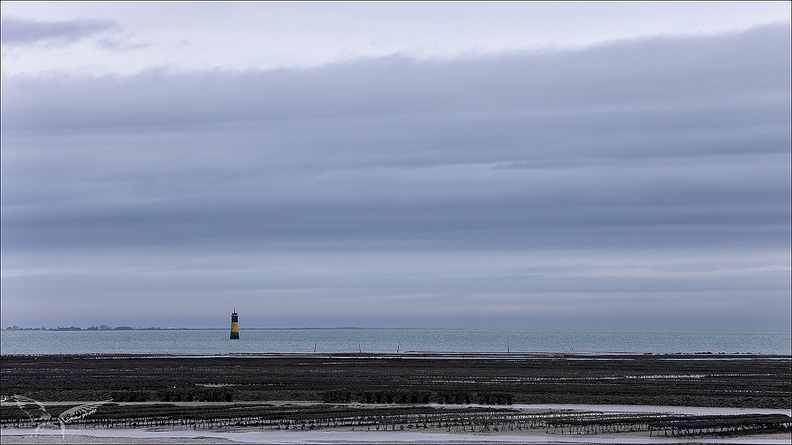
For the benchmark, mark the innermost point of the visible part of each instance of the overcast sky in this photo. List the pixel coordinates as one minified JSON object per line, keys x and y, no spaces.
{"x":513,"y":165}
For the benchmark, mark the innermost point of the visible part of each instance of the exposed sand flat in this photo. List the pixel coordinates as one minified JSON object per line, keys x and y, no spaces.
{"x":728,"y":380}
{"x":693,"y":410}
{"x":431,"y":435}
{"x":121,"y":437}
{"x":468,"y":398}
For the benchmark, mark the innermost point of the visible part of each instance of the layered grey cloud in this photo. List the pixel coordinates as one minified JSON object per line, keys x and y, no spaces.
{"x":492,"y":185}
{"x":663,"y":74}
{"x":506,"y":146}
{"x":18,"y":31}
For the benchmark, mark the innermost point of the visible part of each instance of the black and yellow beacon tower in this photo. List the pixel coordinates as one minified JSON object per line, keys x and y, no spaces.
{"x":234,"y":325}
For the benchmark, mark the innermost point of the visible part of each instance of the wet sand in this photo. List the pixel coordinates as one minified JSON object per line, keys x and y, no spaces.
{"x":139,"y":436}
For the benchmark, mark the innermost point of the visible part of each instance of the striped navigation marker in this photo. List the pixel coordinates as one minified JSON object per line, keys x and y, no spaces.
{"x":234,"y":325}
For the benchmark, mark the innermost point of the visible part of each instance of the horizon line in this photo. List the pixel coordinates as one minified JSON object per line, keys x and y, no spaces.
{"x":172,"y":328}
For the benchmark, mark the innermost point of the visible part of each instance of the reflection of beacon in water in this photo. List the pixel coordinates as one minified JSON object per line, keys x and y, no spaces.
{"x":234,"y":325}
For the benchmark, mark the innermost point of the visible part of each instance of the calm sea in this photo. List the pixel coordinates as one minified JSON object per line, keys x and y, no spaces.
{"x":216,"y":342}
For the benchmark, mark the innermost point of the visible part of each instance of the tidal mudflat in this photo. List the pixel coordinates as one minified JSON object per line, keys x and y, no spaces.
{"x":443,"y":398}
